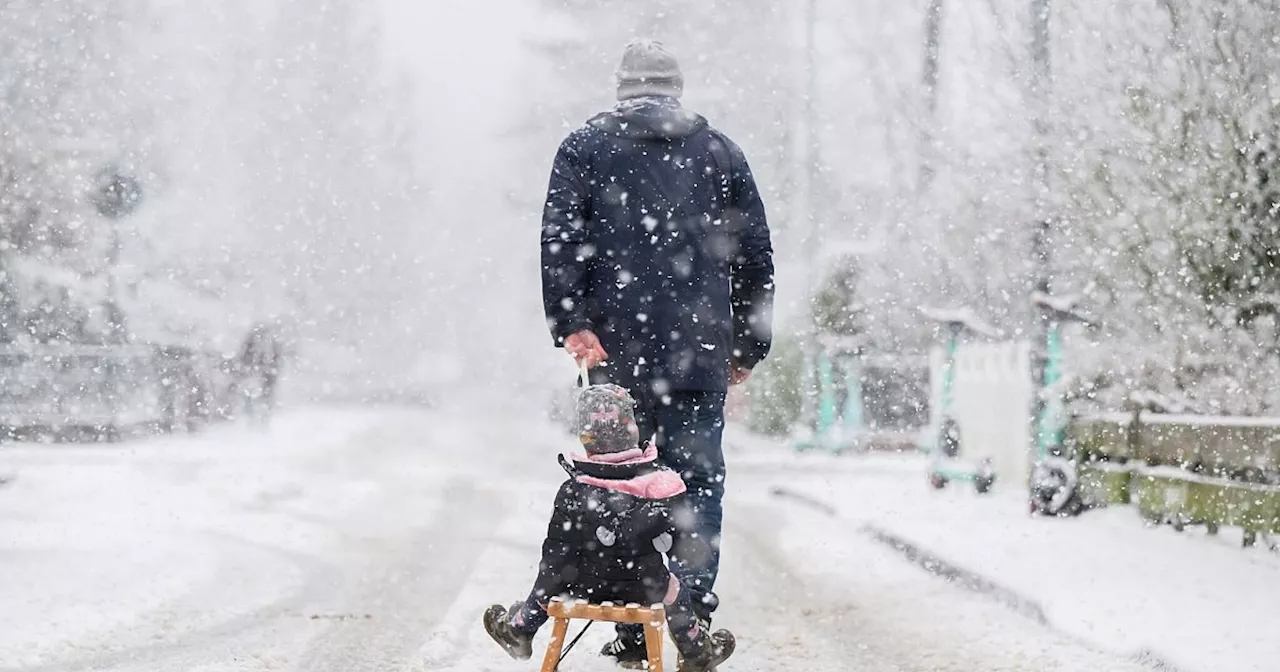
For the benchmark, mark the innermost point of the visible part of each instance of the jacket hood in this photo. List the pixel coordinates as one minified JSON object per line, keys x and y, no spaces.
{"x":649,"y":118}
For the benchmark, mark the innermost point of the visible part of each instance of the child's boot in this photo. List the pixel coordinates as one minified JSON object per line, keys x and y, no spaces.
{"x":711,"y":650}
{"x":497,"y":622}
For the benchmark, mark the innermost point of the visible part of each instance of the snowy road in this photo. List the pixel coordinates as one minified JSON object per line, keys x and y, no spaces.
{"x":372,"y":540}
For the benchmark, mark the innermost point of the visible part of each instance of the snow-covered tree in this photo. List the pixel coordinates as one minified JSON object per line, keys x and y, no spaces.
{"x":1165,"y":182}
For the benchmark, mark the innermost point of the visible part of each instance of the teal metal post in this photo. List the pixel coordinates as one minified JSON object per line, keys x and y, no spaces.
{"x":1052,"y":426}
{"x":852,"y":415}
{"x":826,"y":395}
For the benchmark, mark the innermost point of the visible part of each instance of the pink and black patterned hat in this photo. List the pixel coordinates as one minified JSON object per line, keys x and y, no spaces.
{"x":606,"y":419}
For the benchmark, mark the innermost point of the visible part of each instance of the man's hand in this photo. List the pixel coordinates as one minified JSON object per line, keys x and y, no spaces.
{"x":585,"y":348}
{"x":738,"y":374}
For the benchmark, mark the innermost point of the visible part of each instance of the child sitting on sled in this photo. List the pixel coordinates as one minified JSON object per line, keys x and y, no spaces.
{"x":609,"y":530}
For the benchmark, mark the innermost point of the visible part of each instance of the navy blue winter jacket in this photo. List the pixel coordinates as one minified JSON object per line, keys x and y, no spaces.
{"x":654,"y":236}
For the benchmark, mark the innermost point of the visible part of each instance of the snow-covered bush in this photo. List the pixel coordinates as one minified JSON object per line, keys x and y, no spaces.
{"x":776,"y":388}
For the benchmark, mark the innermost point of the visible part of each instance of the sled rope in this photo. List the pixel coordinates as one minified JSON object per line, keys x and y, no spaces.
{"x":569,"y":648}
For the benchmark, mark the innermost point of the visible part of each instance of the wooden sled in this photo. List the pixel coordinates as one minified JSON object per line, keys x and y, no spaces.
{"x":654,"y":620}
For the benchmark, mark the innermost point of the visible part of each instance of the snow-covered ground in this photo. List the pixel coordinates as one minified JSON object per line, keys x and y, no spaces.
{"x":109,"y":549}
{"x":349,"y":539}
{"x":1186,"y":601}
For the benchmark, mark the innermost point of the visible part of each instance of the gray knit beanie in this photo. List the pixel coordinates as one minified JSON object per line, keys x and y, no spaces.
{"x":606,"y":420}
{"x":648,"y":69}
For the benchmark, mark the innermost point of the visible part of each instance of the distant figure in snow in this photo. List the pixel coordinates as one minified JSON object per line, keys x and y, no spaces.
{"x":657,"y":273}
{"x":260,"y":360}
{"x":609,"y":529}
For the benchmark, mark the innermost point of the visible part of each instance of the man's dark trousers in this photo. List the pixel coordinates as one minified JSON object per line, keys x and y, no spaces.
{"x":688,"y":427}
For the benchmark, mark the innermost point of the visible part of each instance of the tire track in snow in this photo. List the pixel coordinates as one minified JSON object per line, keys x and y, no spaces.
{"x":501,"y":575}
{"x":954,"y":574}
{"x":406,"y":597}
{"x":240,"y":632}
{"x":843,"y":593}
{"x":779,"y":620}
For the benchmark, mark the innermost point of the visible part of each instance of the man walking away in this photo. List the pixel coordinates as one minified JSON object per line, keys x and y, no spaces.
{"x":657,"y":273}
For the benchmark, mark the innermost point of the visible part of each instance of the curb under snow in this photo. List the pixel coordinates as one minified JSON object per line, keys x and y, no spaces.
{"x":941,"y":567}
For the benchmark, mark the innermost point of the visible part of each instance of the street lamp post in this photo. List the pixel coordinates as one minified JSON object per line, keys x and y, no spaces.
{"x":932,"y":51}
{"x":116,"y":196}
{"x":1040,"y":85}
{"x":1041,"y":272}
{"x":808,"y":149}
{"x":803,"y":223}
